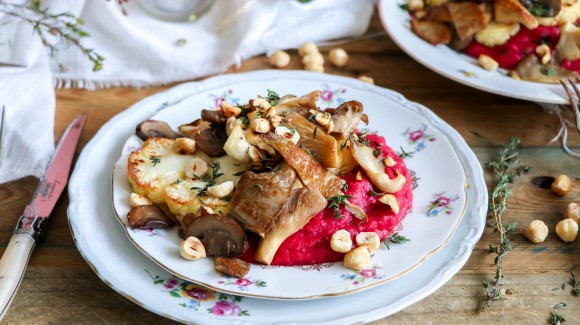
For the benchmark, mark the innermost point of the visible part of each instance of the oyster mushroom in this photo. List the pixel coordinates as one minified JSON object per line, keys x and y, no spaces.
{"x":192,"y":129}
{"x":298,"y":104}
{"x":347,"y":117}
{"x":155,"y":129}
{"x":304,"y":204}
{"x":568,"y":47}
{"x":373,"y":168}
{"x":211,"y":141}
{"x":531,"y":69}
{"x":215,"y":117}
{"x":220,"y":235}
{"x":148,"y":216}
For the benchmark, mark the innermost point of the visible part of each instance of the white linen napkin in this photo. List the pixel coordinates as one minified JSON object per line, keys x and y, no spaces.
{"x":140,"y":50}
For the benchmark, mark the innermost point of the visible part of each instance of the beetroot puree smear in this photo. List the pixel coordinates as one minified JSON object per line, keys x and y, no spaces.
{"x":311,"y":244}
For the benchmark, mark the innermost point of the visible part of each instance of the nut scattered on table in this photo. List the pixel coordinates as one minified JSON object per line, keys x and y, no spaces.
{"x":311,"y":57}
{"x":280,"y":59}
{"x":358,"y":258}
{"x":341,"y":242}
{"x":573,"y":212}
{"x":567,"y":230}
{"x":536,"y":231}
{"x":306,"y":48}
{"x":338,"y":57}
{"x":562,"y":185}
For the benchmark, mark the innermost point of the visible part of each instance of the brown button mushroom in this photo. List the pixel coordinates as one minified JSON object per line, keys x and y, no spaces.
{"x":212,"y":140}
{"x":148,"y":216}
{"x":232,"y":266}
{"x":153,"y":128}
{"x":220,"y":235}
{"x":213,"y":116}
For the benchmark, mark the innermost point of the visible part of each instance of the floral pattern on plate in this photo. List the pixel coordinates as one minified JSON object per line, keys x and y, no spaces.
{"x":374,"y":272}
{"x":242,"y":283}
{"x":152,"y":232}
{"x":227,"y":95}
{"x":196,"y":295}
{"x":418,"y":137}
{"x":441,"y":204}
{"x":330,"y":96}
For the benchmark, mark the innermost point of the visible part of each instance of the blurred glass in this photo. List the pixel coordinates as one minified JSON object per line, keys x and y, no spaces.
{"x":176,"y":10}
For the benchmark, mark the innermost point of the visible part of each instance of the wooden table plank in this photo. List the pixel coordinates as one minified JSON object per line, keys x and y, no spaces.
{"x":59,"y":286}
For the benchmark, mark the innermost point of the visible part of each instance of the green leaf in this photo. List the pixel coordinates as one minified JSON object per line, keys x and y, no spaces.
{"x":174,"y":294}
{"x":560,"y":305}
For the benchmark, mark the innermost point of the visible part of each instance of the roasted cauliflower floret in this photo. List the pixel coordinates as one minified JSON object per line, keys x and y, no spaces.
{"x":153,"y":167}
{"x":497,"y":33}
{"x":189,"y":196}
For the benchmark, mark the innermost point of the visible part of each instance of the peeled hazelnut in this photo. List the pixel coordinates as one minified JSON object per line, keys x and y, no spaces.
{"x":276,"y":120}
{"x":416,"y":5}
{"x":567,"y":230}
{"x":307,"y":48}
{"x":230,"y":109}
{"x":341,"y":241}
{"x":289,"y":134}
{"x":195,"y":167}
{"x":358,"y":176}
{"x":192,"y":249}
{"x":222,"y":190}
{"x":314,"y":67}
{"x":358,"y":258}
{"x":255,"y":154}
{"x":260,"y":125}
{"x":562,"y":185}
{"x":313,"y":59}
{"x":369,"y":239}
{"x":573,"y":212}
{"x":389,"y":161}
{"x":137,"y":200}
{"x":536,"y":231}
{"x":323,"y":118}
{"x":184,"y":146}
{"x":487,"y":62}
{"x":391,"y":201}
{"x":204,"y":211}
{"x":261,"y":104}
{"x":367,"y":79}
{"x":338,"y":57}
{"x":280,"y":59}
{"x":545,"y":53}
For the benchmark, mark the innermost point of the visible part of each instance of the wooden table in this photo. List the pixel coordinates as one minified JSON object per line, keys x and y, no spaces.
{"x":59,"y":287}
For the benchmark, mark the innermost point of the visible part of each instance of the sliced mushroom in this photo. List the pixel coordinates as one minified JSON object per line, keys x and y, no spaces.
{"x":321,"y":145}
{"x":192,"y":129}
{"x":232,"y":266}
{"x":148,"y":216}
{"x":155,"y":129}
{"x":568,"y":47}
{"x":531,"y":69}
{"x":215,"y":117}
{"x":375,"y":169}
{"x":299,"y":104}
{"x":220,"y":235}
{"x":211,"y":141}
{"x":347,"y":117}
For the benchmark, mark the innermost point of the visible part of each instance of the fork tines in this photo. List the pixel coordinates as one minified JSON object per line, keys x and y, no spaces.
{"x":571,"y":83}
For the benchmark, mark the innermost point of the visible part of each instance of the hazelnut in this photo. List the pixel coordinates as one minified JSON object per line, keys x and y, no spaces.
{"x":222,"y":190}
{"x":205,"y":211}
{"x":184,"y":146}
{"x":192,"y":249}
{"x":536,"y":231}
{"x":391,"y":201}
{"x":195,"y":167}
{"x":341,"y":241}
{"x":137,"y":200}
{"x":562,"y":185}
{"x":314,"y":67}
{"x":307,"y":48}
{"x":369,"y":239}
{"x":367,"y":79}
{"x":290,"y":134}
{"x":567,"y":230}
{"x":358,"y":258}
{"x":280,"y":59}
{"x":359,"y":176}
{"x":416,"y":5}
{"x":487,"y":62}
{"x":230,"y":109}
{"x":338,"y":57}
{"x":255,"y":154}
{"x":389,"y":161}
{"x":261,"y":104}
{"x":545,"y":53}
{"x":573,"y":212}
{"x":313,"y":59}
{"x":260,"y":125}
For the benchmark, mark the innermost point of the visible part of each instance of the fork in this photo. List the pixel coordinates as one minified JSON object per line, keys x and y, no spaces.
{"x":574,"y":102}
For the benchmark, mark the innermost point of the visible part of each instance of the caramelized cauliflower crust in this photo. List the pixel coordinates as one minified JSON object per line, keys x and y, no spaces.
{"x":189,"y":196}
{"x":155,"y":166}
{"x":497,"y":33}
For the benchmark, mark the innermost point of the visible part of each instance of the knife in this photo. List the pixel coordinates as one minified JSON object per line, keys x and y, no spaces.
{"x":32,"y":223}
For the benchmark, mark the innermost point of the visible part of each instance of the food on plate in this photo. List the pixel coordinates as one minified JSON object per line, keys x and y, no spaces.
{"x":277,"y":181}
{"x":534,"y":40}
{"x":567,"y":230}
{"x":536,"y":231}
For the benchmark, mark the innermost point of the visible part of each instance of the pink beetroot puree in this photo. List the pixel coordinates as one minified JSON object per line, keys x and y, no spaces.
{"x":520,"y":45}
{"x":311,"y":244}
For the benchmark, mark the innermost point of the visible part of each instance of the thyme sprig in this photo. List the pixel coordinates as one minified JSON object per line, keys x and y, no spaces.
{"x":575,"y":285}
{"x":210,"y":178}
{"x":557,"y":318}
{"x":395,"y":239}
{"x":53,"y":28}
{"x":335,"y":202}
{"x":506,"y":174}
{"x":155,"y":160}
{"x":273,"y":97}
{"x":312,"y":118}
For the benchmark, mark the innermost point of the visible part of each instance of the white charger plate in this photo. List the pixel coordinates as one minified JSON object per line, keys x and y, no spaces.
{"x":439,"y":198}
{"x":105,"y":247}
{"x":460,"y":67}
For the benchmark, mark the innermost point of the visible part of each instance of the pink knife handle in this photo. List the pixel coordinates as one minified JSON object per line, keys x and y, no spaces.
{"x":12,"y":268}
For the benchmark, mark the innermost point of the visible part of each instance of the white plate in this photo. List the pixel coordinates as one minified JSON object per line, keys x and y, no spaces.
{"x":439,"y":199}
{"x":118,"y":263}
{"x":459,"y":67}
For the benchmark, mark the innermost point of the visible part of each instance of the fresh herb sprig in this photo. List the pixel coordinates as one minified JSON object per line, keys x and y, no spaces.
{"x":557,"y":318}
{"x":273,"y":97}
{"x":575,"y":285}
{"x":335,"y":202}
{"x":395,"y":239}
{"x":53,"y":28}
{"x":155,"y":160}
{"x":506,"y":169}
{"x":312,"y":118}
{"x":209,"y":178}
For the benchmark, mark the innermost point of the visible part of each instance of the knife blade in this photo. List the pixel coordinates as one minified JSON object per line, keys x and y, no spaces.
{"x":31,"y":225}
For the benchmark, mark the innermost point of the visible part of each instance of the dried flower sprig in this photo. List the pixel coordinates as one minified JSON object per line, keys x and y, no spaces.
{"x":63,"y":26}
{"x":506,"y":174}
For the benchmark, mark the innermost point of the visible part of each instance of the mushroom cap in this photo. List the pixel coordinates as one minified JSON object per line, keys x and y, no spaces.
{"x":215,"y":117}
{"x":220,"y":235}
{"x":148,"y":216}
{"x":211,"y":141}
{"x":153,"y":128}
